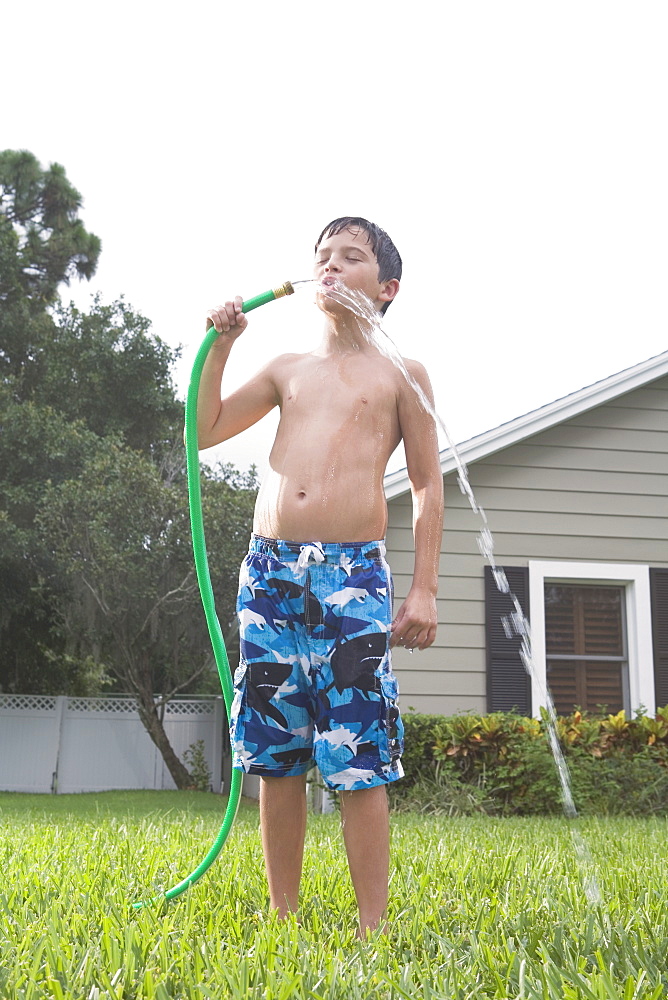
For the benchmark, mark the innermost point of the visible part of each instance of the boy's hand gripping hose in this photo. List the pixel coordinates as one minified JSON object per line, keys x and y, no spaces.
{"x":204,"y":581}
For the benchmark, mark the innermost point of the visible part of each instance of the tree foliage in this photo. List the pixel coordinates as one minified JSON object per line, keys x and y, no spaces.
{"x":43,"y":244}
{"x":38,"y":446}
{"x":119,"y":535}
{"x":97,"y":585}
{"x":101,"y":376}
{"x":51,"y":244}
{"x":116,"y":373}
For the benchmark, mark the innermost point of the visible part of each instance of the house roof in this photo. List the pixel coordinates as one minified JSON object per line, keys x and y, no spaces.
{"x":514,"y":431}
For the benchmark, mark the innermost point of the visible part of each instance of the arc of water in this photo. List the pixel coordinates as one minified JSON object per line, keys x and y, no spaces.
{"x":515,"y":624}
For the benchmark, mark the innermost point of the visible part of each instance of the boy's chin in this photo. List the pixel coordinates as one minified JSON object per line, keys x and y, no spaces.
{"x":327,"y":303}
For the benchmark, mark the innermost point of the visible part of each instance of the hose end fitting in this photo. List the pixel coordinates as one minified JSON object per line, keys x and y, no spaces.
{"x":284,"y":289}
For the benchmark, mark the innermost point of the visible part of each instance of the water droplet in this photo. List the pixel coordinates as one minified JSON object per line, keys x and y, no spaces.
{"x":486,"y":544}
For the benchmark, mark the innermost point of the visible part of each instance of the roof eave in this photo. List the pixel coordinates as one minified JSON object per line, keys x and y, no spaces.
{"x":487,"y":444}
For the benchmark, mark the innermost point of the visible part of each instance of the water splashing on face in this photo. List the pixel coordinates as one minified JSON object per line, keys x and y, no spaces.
{"x":516,"y":624}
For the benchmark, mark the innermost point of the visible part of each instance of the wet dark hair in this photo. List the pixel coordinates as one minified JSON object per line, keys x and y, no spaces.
{"x":385,"y":252}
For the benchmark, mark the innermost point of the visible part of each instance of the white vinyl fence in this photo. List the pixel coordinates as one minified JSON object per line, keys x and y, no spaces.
{"x":60,"y":744}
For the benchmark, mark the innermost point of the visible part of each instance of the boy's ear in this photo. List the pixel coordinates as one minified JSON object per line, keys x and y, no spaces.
{"x":389,"y":291}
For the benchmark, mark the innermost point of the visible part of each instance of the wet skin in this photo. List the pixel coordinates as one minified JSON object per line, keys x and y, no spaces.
{"x":343,"y":410}
{"x":339,"y":425}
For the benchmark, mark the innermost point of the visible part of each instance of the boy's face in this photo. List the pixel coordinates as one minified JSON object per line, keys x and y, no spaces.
{"x":349,"y":258}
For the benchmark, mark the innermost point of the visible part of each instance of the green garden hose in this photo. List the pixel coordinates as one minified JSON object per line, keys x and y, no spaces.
{"x":204,"y":581}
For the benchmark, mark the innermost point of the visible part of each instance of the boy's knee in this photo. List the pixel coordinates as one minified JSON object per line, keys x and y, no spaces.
{"x":285,"y":784}
{"x":365,"y":797}
{"x":373,"y":790}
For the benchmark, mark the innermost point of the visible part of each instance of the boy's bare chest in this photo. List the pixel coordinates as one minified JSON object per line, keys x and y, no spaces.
{"x":361,"y":390}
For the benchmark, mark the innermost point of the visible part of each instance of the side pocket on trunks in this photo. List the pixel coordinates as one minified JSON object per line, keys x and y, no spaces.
{"x":238,"y":710}
{"x":393,"y":730}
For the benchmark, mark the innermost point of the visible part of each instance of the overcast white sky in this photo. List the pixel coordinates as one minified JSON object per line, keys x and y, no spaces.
{"x":515,"y":150}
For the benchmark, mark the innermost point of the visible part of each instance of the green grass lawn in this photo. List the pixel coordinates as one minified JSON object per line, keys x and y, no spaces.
{"x":479,"y":907}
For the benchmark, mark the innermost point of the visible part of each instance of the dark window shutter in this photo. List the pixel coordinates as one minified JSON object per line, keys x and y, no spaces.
{"x":508,"y":684}
{"x":658,"y":582}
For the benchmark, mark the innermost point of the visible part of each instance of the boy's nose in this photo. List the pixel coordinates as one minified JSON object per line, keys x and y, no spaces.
{"x":332,"y":265}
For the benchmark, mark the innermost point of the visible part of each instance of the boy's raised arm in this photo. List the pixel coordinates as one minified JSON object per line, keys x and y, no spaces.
{"x":415,"y":623}
{"x":219,"y":419}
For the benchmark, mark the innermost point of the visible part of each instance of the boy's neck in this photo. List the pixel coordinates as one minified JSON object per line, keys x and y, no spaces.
{"x":342,"y":334}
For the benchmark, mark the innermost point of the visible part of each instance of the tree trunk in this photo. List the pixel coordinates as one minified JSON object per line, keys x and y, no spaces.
{"x":155,"y":729}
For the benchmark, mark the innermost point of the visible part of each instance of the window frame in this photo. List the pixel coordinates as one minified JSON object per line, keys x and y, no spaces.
{"x":635,"y":580}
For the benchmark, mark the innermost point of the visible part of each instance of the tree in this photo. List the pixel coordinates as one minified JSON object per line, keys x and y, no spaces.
{"x":96,"y":576}
{"x":43,"y":244}
{"x":119,"y":534}
{"x":43,"y":208}
{"x":119,"y":386}
{"x":38,"y":447}
{"x":67,"y":380}
{"x":118,"y":371}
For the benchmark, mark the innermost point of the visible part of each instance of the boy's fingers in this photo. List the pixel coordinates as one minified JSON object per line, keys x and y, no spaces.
{"x":428,"y":638}
{"x":226,"y":316}
{"x":411,"y":634}
{"x":219,"y":319}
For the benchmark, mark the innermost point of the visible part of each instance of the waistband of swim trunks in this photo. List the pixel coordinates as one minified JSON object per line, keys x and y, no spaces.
{"x":287,"y":551}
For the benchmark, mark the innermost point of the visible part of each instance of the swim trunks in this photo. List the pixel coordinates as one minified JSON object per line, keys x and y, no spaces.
{"x":315,"y":682}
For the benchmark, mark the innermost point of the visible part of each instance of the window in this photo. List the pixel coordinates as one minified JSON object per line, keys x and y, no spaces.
{"x":585,"y":647}
{"x":591,"y":635}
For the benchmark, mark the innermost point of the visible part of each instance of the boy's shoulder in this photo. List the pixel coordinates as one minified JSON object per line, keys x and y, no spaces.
{"x":413,"y":366}
{"x":417,"y":371}
{"x":288,"y":359}
{"x":285,"y":363}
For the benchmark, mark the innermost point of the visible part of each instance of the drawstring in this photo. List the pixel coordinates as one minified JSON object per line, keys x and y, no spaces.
{"x":314,"y":552}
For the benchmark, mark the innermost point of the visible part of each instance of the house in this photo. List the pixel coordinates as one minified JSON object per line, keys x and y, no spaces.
{"x":576,"y":497}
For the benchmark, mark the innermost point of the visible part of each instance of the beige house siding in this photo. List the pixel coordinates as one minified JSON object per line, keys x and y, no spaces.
{"x":591,"y":489}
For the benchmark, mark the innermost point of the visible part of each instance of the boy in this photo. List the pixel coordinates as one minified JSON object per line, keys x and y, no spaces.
{"x":315,"y":683}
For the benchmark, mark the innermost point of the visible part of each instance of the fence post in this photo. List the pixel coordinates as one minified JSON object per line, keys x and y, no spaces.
{"x":217,"y":770}
{"x":61,"y":701}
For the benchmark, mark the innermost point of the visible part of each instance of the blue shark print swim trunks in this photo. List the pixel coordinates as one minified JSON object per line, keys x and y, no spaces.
{"x":315,"y":683}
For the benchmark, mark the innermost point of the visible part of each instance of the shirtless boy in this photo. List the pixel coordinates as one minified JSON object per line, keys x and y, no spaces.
{"x":315,"y":684}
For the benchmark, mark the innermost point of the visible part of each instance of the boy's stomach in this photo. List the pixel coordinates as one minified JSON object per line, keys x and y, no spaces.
{"x":326,"y":508}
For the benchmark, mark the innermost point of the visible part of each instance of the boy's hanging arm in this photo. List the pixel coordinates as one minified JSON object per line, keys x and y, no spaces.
{"x":415,"y":623}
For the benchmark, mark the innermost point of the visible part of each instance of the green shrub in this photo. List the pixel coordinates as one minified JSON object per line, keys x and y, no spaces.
{"x":502,"y":764}
{"x":620,"y":785}
{"x":196,"y":762}
{"x":441,"y":792}
{"x":421,"y":732}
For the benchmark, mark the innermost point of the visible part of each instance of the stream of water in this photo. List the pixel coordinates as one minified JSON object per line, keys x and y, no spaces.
{"x":515,"y":624}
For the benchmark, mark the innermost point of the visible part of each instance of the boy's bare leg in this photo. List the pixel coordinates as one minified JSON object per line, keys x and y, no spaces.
{"x":283,"y":827}
{"x":366,"y":834}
